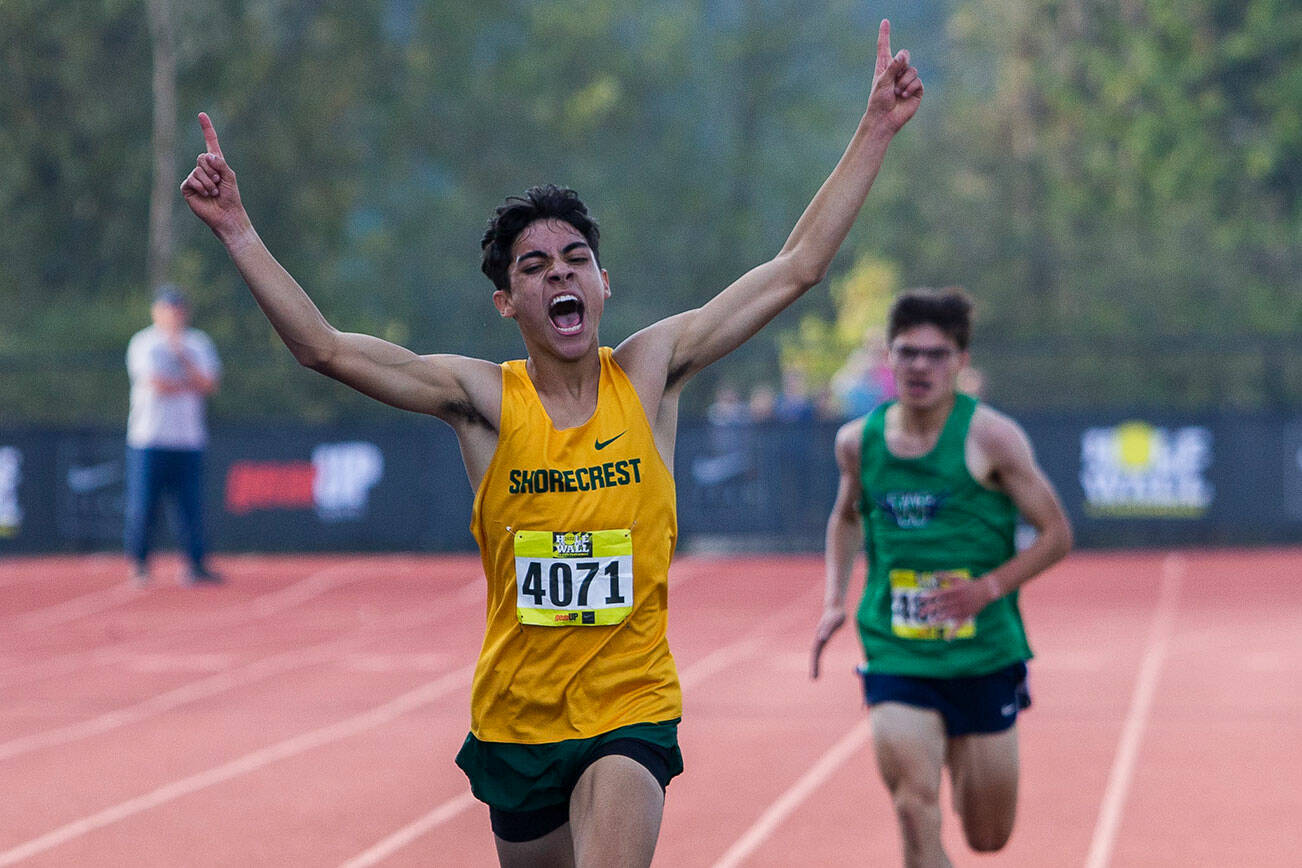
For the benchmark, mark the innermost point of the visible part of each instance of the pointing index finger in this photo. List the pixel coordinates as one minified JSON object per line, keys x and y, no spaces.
{"x":883,"y":45}
{"x":209,"y":134}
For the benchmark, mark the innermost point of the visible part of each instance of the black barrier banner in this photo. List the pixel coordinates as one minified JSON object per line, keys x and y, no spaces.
{"x":27,"y":487}
{"x":90,"y":485}
{"x":1132,"y":480}
{"x":1148,"y":480}
{"x":287,"y":489}
{"x":1125,"y":480}
{"x":334,"y":481}
{"x":1139,"y":470}
{"x":340,"y":489}
{"x":1291,"y":461}
{"x":11,"y":502}
{"x":764,"y":486}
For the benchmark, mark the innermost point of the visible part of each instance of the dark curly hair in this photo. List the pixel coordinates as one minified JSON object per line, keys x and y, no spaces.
{"x":948,"y":309}
{"x":543,"y":202}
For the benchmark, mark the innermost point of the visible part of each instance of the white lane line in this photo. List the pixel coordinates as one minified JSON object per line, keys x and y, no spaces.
{"x":835,"y":757}
{"x":711,"y":664}
{"x":263,"y":606}
{"x":411,"y":832}
{"x":315,"y":585}
{"x":719,"y":660}
{"x":1141,"y":702}
{"x":37,"y":569}
{"x":251,"y":762}
{"x":221,"y":682}
{"x":78,"y":607}
{"x":685,"y":571}
{"x":736,"y":652}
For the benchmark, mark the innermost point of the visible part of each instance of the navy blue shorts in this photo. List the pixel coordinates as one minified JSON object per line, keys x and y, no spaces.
{"x":975,"y":704}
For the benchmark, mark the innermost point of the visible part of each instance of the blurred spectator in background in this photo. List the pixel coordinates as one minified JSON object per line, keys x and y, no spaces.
{"x":729,"y":418}
{"x":173,"y":369}
{"x":730,"y":435}
{"x":865,"y":380}
{"x":763,"y":404}
{"x":727,"y":409}
{"x":794,"y":403}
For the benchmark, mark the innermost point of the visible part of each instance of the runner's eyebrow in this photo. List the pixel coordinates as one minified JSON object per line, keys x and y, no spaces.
{"x":565,"y":251}
{"x":914,"y":349}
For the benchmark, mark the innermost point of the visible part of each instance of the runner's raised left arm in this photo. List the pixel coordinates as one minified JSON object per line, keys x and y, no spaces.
{"x":702,"y":336}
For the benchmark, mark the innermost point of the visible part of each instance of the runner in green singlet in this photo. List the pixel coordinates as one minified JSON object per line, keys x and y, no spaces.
{"x":931,"y":485}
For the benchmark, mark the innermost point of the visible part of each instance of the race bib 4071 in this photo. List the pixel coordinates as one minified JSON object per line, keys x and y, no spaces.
{"x":574,"y":578}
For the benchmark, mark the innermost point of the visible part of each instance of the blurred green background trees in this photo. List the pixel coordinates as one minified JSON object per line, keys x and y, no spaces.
{"x":1116,"y":183}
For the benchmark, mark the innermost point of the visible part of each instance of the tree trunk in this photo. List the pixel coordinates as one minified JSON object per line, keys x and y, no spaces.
{"x":165,"y":181}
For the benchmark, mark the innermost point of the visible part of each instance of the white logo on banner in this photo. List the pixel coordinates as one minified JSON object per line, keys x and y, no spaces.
{"x":344,"y":476}
{"x":92,"y":478}
{"x":11,"y":511}
{"x":1138,"y":470}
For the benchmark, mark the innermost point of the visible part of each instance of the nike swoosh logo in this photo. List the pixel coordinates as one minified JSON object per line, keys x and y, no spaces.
{"x":84,"y":480}
{"x":602,"y":444}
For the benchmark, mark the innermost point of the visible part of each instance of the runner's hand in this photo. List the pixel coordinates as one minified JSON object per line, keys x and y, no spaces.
{"x":210,"y":190}
{"x":827,"y":625}
{"x":896,"y":89}
{"x":961,"y":600}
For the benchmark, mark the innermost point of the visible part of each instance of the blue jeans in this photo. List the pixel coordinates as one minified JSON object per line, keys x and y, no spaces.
{"x":152,"y":474}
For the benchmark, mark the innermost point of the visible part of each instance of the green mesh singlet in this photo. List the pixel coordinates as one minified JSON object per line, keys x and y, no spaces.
{"x":924,"y":516}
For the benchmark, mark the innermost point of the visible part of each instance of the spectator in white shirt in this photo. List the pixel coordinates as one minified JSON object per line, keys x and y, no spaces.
{"x":173,"y":369}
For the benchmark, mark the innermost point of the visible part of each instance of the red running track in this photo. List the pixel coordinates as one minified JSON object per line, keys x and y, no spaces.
{"x":307,"y":713}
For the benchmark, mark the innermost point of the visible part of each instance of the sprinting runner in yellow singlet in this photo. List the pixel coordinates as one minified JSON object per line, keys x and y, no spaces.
{"x":576,"y":529}
{"x":575,"y":700}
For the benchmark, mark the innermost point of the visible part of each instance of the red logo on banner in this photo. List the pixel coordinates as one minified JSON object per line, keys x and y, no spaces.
{"x":254,"y":485}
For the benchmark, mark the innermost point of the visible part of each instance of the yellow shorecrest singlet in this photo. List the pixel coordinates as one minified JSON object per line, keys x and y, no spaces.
{"x":576,"y":529}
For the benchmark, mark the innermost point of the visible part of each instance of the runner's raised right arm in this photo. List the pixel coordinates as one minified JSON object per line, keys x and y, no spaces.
{"x":457,"y":389}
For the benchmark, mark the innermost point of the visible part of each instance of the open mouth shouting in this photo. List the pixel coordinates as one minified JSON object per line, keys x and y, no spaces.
{"x":566,"y":313}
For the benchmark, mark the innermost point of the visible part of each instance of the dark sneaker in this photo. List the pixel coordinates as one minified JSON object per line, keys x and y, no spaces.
{"x":201,"y":576}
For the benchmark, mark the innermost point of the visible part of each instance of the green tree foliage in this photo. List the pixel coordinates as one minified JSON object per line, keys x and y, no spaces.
{"x":820,"y":347}
{"x":1125,"y":172}
{"x":1149,"y":137}
{"x":1103,"y":177}
{"x":74,"y":103}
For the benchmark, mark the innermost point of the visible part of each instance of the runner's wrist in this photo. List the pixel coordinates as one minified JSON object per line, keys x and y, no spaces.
{"x":238,"y":235}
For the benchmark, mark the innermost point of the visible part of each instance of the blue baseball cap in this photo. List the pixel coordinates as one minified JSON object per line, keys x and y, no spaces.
{"x":170,"y":294}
